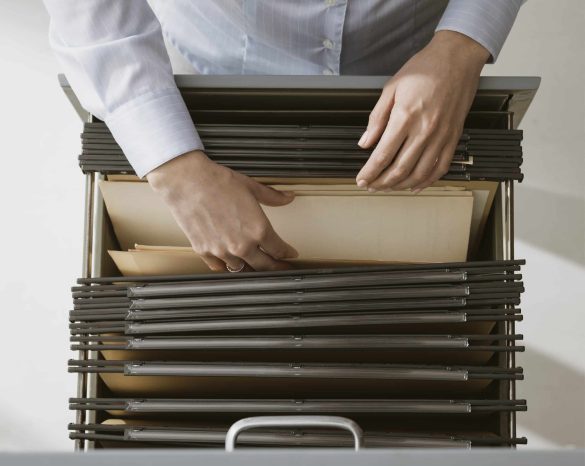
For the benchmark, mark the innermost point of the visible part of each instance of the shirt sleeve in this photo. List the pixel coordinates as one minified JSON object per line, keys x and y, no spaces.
{"x":114,"y":57}
{"x":486,"y":21}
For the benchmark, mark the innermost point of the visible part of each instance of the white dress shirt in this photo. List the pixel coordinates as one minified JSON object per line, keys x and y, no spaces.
{"x":114,"y":56}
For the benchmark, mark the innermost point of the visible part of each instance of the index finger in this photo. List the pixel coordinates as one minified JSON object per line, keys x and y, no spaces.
{"x":389,"y":145}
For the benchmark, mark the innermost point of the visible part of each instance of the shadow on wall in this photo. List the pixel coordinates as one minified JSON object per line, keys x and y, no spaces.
{"x":553,"y":222}
{"x":555,"y":394}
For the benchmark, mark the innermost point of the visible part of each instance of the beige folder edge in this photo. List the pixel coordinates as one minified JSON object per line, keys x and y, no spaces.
{"x":334,"y":215}
{"x":483,"y":194}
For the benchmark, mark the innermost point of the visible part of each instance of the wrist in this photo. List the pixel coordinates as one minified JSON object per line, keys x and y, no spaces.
{"x":167,"y":175}
{"x":461,"y":47}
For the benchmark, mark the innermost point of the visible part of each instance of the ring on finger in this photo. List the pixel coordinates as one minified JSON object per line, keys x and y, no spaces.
{"x":237,"y":269}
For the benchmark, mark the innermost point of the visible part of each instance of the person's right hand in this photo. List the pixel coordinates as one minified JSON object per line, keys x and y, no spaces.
{"x":219,"y":211}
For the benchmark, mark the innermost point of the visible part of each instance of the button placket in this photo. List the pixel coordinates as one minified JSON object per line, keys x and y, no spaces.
{"x":334,"y":16}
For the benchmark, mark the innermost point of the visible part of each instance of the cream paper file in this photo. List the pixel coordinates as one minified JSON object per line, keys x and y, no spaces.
{"x":138,"y":215}
{"x":175,"y":260}
{"x":384,"y":228}
{"x":483,"y":195}
{"x":390,"y":227}
{"x":158,"y":262}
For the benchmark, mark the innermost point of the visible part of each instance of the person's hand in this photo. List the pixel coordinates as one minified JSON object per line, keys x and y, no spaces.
{"x":219,"y":211}
{"x":418,"y":120}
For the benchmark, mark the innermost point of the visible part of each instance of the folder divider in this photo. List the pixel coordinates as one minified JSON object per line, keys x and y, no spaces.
{"x":147,"y":315}
{"x":371,"y":406}
{"x":293,"y":283}
{"x":306,"y":297}
{"x":297,"y":370}
{"x":298,"y":438}
{"x":138,"y":328}
{"x":469,"y":267}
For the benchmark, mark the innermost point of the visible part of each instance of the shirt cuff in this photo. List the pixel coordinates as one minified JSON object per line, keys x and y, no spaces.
{"x":153,"y":129}
{"x":486,"y":21}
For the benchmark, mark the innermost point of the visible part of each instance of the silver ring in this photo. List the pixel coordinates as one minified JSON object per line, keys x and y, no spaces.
{"x":229,"y":269}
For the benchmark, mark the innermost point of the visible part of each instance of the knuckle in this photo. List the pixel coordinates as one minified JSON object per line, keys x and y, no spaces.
{"x":204,"y":251}
{"x":216,"y":251}
{"x":402,"y":118}
{"x":431,"y":127}
{"x":417,"y":179}
{"x":434,"y":122}
{"x":375,"y":118}
{"x":241,"y":249}
{"x":425,"y":133}
{"x":259,"y":234}
{"x":424,"y":173}
{"x":401,"y":114}
{"x":426,"y":130}
{"x":380,"y":157}
{"x":399,"y":173}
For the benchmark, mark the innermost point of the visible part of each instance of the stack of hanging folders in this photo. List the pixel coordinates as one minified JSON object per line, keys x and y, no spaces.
{"x":382,"y":318}
{"x":312,"y":151}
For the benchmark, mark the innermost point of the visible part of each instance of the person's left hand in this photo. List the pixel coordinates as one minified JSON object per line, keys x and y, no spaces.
{"x":418,"y":120}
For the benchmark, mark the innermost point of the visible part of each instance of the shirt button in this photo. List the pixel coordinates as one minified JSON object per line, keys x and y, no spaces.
{"x":327,"y":71}
{"x":329,"y":2}
{"x":328,"y":44}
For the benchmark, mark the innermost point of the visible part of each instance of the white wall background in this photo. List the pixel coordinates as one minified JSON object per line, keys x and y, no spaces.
{"x":41,"y":200}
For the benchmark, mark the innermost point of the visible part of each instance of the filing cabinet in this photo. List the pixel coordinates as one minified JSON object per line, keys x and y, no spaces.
{"x":500,"y":104}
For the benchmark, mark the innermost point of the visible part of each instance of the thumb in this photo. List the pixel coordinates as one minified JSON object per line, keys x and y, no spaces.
{"x":270,"y":196}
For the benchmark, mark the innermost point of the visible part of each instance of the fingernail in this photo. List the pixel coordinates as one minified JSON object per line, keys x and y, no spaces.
{"x":288,"y":193}
{"x":416,"y":191}
{"x":362,"y":183}
{"x":363,"y":139}
{"x":371,"y":190}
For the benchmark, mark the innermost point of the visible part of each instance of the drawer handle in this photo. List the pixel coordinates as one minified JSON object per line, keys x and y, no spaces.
{"x":293,"y":421}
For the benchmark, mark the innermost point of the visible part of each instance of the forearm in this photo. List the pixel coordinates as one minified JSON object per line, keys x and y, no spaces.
{"x":114,"y":57}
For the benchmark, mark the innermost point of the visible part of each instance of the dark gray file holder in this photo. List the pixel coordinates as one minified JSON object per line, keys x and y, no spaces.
{"x":258,"y":149}
{"x":220,"y":407}
{"x":500,"y":104}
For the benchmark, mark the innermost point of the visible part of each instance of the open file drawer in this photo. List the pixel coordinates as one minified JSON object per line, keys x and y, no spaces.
{"x":500,"y":104}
